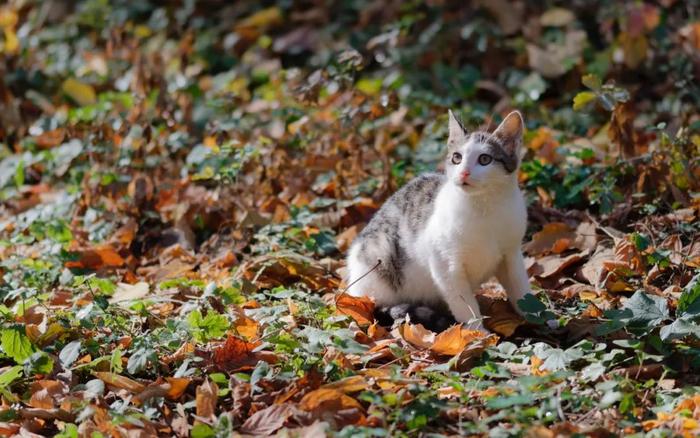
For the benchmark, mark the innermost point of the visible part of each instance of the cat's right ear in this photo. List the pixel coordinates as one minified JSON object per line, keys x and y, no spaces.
{"x":457,"y":133}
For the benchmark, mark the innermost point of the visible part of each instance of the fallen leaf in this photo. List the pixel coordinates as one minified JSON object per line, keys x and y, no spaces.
{"x":349,"y":384}
{"x":102,"y":256}
{"x":557,"y":237}
{"x":206,"y":399}
{"x":246,"y":327}
{"x":44,"y":393}
{"x":417,"y":335}
{"x":453,"y":340}
{"x":269,"y":420}
{"x":178,"y":385}
{"x":501,"y":318}
{"x":361,"y":309}
{"x":328,"y":400}
{"x":125,"y":293}
{"x":120,"y":382}
{"x":83,"y":94}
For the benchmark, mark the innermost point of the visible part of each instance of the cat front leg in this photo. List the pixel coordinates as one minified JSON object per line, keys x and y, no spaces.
{"x":513,"y":277}
{"x":457,"y":292}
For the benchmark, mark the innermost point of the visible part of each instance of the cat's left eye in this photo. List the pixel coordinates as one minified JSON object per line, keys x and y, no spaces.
{"x":456,"y":158}
{"x":485,"y":159}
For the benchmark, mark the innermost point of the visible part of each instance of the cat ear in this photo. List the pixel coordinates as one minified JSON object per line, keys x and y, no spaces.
{"x":510,"y":131}
{"x":457,"y":132}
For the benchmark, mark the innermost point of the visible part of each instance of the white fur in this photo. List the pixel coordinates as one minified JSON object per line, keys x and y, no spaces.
{"x":474,"y":233}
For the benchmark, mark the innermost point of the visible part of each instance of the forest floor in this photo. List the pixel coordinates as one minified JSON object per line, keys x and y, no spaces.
{"x":179,"y":184}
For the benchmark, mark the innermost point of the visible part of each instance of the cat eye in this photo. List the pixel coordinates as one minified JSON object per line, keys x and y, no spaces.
{"x":456,"y":158}
{"x":485,"y":159}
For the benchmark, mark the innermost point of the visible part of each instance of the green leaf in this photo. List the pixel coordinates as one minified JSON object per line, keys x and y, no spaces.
{"x":679,"y":329}
{"x":115,"y":361}
{"x":69,"y":353}
{"x":38,"y":363}
{"x":19,"y":174}
{"x":202,"y":430}
{"x":369,"y":86}
{"x":212,"y":326}
{"x":16,"y":344}
{"x":139,"y":360}
{"x":689,"y":302}
{"x":10,"y":375}
{"x":530,"y":304}
{"x":591,"y":81}
{"x":648,"y":310}
{"x":582,"y":99}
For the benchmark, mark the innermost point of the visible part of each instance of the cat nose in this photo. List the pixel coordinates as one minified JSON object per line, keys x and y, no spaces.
{"x":464,"y":175}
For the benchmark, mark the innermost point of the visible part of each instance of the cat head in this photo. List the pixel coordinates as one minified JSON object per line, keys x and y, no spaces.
{"x":480,"y":161}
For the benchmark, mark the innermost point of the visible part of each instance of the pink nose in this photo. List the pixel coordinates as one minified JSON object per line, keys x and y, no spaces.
{"x":464,"y":176}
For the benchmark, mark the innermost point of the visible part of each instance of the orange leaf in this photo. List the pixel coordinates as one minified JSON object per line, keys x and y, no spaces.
{"x":328,"y":400}
{"x":178,"y":385}
{"x":361,"y":309}
{"x":246,"y":327}
{"x":103,"y":256}
{"x":417,"y":335}
{"x":453,"y":340}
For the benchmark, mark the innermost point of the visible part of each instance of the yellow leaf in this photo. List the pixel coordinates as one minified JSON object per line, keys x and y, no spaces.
{"x":582,"y":99}
{"x":82,"y":94}
{"x":11,"y":41}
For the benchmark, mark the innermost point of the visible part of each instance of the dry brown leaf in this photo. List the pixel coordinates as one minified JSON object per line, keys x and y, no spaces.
{"x":557,"y":237}
{"x":551,"y":265}
{"x":594,"y":269}
{"x":126,"y":293}
{"x":361,"y":309}
{"x":121,"y":382}
{"x":502,"y":319}
{"x":237,"y":354}
{"x":269,"y":420}
{"x":44,"y":393}
{"x":349,"y":384}
{"x":206,"y":399}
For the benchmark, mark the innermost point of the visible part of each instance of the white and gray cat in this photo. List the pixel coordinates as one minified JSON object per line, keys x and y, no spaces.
{"x":440,"y":236}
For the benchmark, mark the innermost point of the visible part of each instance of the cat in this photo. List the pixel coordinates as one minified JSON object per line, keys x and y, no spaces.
{"x":441,"y":235}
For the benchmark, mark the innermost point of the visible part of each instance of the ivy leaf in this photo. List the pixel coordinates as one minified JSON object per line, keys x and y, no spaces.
{"x":647,"y":310}
{"x":139,"y":360}
{"x":679,"y":329}
{"x":94,"y":388}
{"x":530,"y":304}
{"x":16,"y":344}
{"x":689,"y":302}
{"x":69,"y":353}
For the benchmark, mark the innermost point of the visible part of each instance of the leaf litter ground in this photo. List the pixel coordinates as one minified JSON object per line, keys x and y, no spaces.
{"x":177,"y":191}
